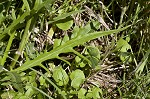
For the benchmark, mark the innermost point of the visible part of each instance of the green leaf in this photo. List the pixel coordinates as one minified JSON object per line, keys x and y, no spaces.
{"x":82,"y":64}
{"x":65,"y":39}
{"x":60,"y":76}
{"x":124,"y":47}
{"x":1,"y":68}
{"x":77,"y":78}
{"x":93,"y":51}
{"x":94,"y":61}
{"x":63,"y":16}
{"x":139,"y":69}
{"x":15,"y":22}
{"x":57,"y":43}
{"x":77,"y":59}
{"x":81,"y":93}
{"x":79,"y":62}
{"x":42,"y":92}
{"x":90,"y":27}
{"x":37,"y":4}
{"x":94,"y":93}
{"x":9,"y":94}
{"x":125,"y":57}
{"x":84,"y":30}
{"x":30,"y":91}
{"x":22,"y":97}
{"x":64,"y":24}
{"x":2,"y":18}
{"x":89,"y":95}
{"x":42,"y":81}
{"x":26,"y":4}
{"x":31,"y":52}
{"x":55,"y":86}
{"x":75,"y":32}
{"x":43,"y":4}
{"x":93,"y":55}
{"x":65,"y":48}
{"x":16,"y":81}
{"x":32,"y":76}
{"x":24,"y":15}
{"x":52,"y":31}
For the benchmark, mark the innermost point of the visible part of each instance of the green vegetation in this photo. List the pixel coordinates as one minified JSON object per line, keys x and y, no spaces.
{"x":74,"y":49}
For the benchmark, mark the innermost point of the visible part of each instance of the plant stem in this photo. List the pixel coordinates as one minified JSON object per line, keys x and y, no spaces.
{"x":7,"y":48}
{"x":22,"y":44}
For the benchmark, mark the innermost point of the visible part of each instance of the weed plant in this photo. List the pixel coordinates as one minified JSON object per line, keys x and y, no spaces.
{"x":74,"y":49}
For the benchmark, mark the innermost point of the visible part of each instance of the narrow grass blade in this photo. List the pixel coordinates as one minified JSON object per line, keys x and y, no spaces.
{"x":63,"y":16}
{"x":142,"y":64}
{"x":42,"y":92}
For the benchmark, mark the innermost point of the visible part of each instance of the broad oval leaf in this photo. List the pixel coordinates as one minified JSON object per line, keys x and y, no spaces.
{"x":77,"y":78}
{"x":81,"y":93}
{"x":64,"y":24}
{"x":60,"y":76}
